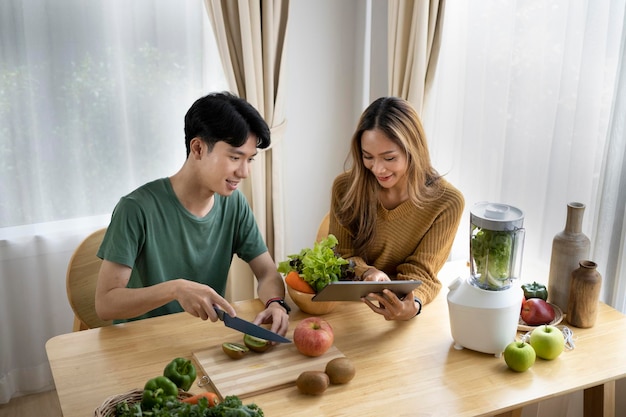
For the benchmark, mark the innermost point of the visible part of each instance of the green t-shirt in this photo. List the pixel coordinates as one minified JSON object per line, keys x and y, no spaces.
{"x":151,"y":232}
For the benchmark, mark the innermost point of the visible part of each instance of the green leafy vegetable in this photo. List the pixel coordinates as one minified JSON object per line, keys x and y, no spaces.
{"x":124,"y":409}
{"x":233,"y":407}
{"x":319,"y":266}
{"x":230,"y":407}
{"x":491,"y":252}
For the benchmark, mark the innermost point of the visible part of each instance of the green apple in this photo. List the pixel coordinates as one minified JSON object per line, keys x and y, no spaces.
{"x":519,"y":356}
{"x":548,"y":341}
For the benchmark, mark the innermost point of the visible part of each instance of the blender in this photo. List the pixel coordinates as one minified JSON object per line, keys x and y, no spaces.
{"x":485,"y":307}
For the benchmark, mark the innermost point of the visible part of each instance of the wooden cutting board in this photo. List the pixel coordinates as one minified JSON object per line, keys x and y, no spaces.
{"x":257,"y":373}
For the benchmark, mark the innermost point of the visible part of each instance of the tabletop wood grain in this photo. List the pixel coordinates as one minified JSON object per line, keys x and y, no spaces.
{"x":408,"y":367}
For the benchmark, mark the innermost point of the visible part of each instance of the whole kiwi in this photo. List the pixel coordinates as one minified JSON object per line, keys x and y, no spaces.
{"x":312,"y":382}
{"x":340,"y":370}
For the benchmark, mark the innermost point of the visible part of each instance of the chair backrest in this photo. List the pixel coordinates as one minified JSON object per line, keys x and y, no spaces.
{"x":322,"y":230}
{"x":81,"y":279}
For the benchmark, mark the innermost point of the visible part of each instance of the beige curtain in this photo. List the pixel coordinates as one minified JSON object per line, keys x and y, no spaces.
{"x":414,"y":40}
{"x":251,"y":37}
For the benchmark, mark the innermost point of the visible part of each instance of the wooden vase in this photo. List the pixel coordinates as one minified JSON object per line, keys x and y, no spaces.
{"x":569,"y":247}
{"x":584,"y":295}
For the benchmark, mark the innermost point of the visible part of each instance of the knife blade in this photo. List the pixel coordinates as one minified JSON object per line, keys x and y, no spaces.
{"x":249,"y":328}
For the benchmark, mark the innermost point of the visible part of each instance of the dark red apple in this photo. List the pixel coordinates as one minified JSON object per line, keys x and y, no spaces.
{"x":536,"y":311}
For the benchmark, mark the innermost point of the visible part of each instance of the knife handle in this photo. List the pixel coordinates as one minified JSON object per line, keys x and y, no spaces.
{"x":220,"y":313}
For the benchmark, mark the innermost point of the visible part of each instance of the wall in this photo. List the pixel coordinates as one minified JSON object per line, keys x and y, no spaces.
{"x":327,"y":76}
{"x":320,"y":111}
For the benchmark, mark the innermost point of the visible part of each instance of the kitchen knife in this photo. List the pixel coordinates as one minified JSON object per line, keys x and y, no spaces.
{"x":249,"y":328}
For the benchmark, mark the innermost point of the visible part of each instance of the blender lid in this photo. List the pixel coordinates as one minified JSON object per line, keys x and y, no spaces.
{"x":495,"y":216}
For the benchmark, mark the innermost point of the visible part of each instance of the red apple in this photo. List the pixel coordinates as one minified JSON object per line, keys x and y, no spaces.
{"x":313,"y":336}
{"x":536,"y":311}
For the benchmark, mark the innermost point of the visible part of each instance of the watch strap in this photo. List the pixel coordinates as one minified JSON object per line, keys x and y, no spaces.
{"x":280,"y":301}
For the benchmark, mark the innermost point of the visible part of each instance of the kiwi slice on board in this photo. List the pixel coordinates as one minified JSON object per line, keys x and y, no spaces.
{"x":256,"y":344}
{"x":235,"y":350}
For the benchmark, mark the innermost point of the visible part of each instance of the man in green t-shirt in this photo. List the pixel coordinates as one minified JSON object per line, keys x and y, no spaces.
{"x":170,"y":242}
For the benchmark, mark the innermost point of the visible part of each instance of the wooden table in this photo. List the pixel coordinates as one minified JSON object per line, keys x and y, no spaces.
{"x":403,"y":368}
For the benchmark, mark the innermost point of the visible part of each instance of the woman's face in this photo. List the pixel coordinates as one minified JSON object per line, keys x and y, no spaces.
{"x":384,"y":159}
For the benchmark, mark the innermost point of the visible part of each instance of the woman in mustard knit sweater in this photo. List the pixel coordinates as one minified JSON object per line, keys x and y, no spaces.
{"x":391,"y":212}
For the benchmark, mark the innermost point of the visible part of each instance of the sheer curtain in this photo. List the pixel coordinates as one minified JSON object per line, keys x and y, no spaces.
{"x":527,"y":109}
{"x":520,"y":110}
{"x":610,"y":239}
{"x":92,"y":100}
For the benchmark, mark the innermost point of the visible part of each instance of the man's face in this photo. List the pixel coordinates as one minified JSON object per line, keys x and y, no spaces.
{"x":225,"y":166}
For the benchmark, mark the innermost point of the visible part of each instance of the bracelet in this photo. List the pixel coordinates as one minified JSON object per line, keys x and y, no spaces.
{"x":419,"y":302}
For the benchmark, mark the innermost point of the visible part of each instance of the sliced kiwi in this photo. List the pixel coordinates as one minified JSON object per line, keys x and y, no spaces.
{"x":256,"y":344}
{"x":235,"y":350}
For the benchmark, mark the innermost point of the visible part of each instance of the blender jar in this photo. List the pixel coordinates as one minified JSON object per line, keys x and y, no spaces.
{"x":496,"y":245}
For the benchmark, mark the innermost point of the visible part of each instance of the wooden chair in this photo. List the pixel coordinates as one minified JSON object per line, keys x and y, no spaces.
{"x":82,"y":275}
{"x":322,"y":230}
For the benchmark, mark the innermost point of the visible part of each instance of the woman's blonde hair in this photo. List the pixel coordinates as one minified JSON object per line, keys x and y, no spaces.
{"x":357,"y":208}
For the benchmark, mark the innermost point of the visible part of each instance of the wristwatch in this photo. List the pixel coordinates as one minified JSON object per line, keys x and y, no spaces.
{"x":281,"y":302}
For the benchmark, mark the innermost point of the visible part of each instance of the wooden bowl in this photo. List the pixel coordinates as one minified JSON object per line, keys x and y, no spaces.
{"x":306,"y":304}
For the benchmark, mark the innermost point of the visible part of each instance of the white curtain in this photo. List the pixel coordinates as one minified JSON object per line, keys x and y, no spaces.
{"x":610,"y":239}
{"x":92,"y":100}
{"x":527,"y":108}
{"x":519,"y":114}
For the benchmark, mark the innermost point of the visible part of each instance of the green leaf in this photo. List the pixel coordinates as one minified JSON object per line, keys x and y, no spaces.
{"x":318,"y":266}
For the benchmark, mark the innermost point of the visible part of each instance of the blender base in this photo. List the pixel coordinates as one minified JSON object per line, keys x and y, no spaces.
{"x":456,"y":346}
{"x":481,"y":320}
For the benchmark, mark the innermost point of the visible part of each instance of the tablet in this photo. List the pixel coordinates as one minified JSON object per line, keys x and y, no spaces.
{"x":354,"y":290}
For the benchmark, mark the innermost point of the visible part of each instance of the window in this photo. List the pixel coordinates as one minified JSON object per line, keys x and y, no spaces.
{"x":520,"y":111}
{"x":92,"y":100}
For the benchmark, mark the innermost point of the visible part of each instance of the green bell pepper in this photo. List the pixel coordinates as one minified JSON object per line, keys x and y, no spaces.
{"x":535,"y":290}
{"x":157,"y":392}
{"x":181,"y":372}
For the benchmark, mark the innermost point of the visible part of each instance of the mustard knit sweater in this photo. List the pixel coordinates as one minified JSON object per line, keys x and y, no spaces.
{"x":409,"y":242}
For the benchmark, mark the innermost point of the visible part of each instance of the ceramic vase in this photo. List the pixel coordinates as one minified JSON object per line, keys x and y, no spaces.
{"x":569,"y":247}
{"x":584,"y":295}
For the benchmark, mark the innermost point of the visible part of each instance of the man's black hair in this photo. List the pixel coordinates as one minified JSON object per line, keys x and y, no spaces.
{"x":225,"y":117}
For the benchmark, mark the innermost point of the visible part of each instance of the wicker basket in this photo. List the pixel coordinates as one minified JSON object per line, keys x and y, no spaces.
{"x":107,"y":408}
